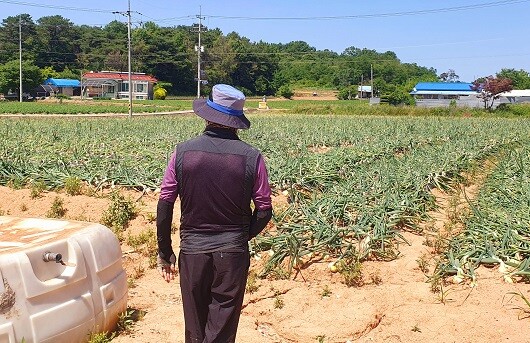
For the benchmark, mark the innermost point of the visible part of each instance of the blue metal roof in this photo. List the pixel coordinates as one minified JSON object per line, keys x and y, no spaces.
{"x":63,"y":82}
{"x":444,"y":86}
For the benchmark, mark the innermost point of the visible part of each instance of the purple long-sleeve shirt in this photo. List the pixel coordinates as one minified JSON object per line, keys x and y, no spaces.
{"x":261,"y":191}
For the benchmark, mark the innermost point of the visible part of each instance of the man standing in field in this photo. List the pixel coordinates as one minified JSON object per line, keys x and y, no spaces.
{"x":216,"y":176}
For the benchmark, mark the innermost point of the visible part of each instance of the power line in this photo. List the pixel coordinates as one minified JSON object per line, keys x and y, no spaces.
{"x":67,"y":8}
{"x":175,"y":18}
{"x":358,"y":16}
{"x":93,"y":25}
{"x":71,"y":24}
{"x":381,"y":15}
{"x":340,"y":17}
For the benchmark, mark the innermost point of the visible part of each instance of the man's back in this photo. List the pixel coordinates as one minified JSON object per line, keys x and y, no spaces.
{"x":216,"y":173}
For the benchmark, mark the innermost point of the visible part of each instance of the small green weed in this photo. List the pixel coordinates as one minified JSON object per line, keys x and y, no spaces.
{"x":119,"y":212}
{"x":153,"y":262}
{"x":36,"y":188}
{"x":443,"y":294}
{"x":278,"y":302}
{"x":150,"y":217}
{"x":73,"y":185}
{"x":57,"y":210}
{"x":352,"y":271}
{"x":436,"y":283}
{"x":146,"y":244}
{"x":131,"y":282}
{"x":139,"y":271}
{"x":252,"y":282}
{"x":279,"y":273}
{"x":438,"y":241}
{"x":127,"y":319}
{"x":423,"y":263}
{"x":16,"y":182}
{"x":144,"y":238}
{"x":101,"y":337}
{"x":326,"y":292}
{"x":376,"y":277}
{"x":92,"y":192}
{"x":125,"y":323}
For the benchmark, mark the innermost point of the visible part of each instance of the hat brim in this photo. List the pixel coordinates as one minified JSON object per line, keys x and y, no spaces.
{"x":206,"y":112}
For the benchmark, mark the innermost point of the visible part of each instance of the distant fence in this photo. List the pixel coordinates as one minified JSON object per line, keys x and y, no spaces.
{"x":515,"y":99}
{"x":471,"y":102}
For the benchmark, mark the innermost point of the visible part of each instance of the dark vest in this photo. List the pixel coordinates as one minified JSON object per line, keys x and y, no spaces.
{"x":215,"y":175}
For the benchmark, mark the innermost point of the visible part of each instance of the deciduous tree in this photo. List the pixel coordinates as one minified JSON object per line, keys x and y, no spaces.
{"x":520,"y":78}
{"x":449,"y":76}
{"x":490,"y":89}
{"x":10,"y":77}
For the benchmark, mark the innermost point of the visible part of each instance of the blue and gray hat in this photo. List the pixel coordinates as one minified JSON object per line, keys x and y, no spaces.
{"x":224,"y":107}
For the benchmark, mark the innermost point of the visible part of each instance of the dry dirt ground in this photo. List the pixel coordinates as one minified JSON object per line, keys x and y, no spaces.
{"x":314,"y":95}
{"x":394,"y":305}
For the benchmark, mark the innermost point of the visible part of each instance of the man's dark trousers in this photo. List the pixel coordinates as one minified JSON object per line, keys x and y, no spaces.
{"x":213,"y":287}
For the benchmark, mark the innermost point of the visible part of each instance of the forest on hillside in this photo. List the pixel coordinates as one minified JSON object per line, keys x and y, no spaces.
{"x":53,"y":46}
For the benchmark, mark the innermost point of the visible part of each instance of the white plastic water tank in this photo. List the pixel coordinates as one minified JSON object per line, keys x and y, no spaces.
{"x":80,"y":291}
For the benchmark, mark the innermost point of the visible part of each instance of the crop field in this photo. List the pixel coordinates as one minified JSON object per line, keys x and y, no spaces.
{"x":56,"y":106}
{"x":352,"y":184}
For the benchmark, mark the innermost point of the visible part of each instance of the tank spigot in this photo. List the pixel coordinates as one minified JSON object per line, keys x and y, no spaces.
{"x":51,"y":256}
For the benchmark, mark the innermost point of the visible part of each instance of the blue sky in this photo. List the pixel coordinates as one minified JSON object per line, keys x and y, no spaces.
{"x":475,"y":38}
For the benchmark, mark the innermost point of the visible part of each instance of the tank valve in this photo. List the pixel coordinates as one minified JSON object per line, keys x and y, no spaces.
{"x":51,"y":256}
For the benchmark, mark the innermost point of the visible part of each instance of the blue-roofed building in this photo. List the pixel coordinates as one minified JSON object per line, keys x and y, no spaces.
{"x":65,"y":86}
{"x":435,"y":94}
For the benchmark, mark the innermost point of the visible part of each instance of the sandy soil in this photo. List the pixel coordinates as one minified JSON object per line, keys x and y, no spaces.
{"x":394,"y":305}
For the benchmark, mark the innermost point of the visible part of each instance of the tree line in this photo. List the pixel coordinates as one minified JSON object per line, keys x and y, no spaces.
{"x":53,"y":46}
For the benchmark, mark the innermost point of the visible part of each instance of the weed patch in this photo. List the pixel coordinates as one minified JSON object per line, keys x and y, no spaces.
{"x":73,"y":185}
{"x":57,"y":210}
{"x":119,"y":212}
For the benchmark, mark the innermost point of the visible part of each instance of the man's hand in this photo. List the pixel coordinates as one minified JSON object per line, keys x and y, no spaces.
{"x":167,"y":268}
{"x":259,"y":221}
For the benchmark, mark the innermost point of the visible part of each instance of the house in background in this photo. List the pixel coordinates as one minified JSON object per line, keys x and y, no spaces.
{"x":516,"y":96}
{"x":442,"y":94}
{"x":364,"y":92}
{"x":67,"y":87}
{"x":115,"y":85}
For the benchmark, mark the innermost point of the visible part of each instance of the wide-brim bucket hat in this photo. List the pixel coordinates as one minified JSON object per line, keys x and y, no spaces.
{"x":224,"y":106}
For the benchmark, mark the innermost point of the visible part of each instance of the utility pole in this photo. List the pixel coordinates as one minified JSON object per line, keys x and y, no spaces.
{"x":199,"y":48}
{"x":20,"y":57}
{"x":128,"y":14}
{"x":129,"y":57}
{"x":362,"y":80}
{"x":371,"y":81}
{"x":81,"y":83}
